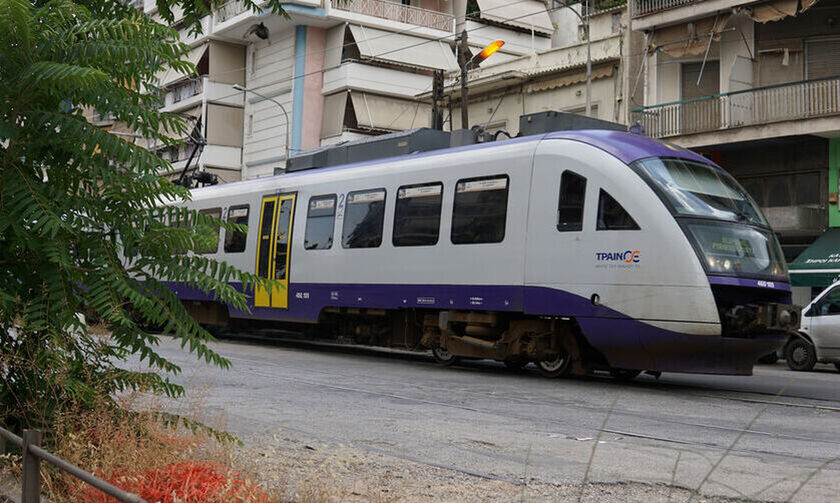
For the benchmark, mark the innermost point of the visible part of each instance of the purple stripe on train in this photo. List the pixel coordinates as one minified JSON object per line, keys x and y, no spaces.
{"x":617,"y":336}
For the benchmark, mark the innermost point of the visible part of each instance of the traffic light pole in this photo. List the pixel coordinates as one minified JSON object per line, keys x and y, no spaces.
{"x":464,"y":63}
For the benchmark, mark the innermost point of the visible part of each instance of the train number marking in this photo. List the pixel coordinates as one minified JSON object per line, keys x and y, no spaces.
{"x":766,"y":284}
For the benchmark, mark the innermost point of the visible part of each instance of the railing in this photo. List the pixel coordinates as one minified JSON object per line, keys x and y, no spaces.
{"x":184,"y":92}
{"x":763,"y":105}
{"x":645,"y":7}
{"x":394,"y":11}
{"x":229,"y":10}
{"x":33,"y":454}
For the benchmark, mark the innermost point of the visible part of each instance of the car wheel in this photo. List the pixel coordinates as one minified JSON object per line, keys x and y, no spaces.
{"x":769,"y":359}
{"x":800,"y":355}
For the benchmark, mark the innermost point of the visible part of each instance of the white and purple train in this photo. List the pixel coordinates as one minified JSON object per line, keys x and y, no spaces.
{"x":575,"y":250}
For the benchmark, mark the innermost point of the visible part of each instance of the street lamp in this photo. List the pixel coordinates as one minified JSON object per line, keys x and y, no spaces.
{"x":286,"y":115}
{"x":465,"y":65}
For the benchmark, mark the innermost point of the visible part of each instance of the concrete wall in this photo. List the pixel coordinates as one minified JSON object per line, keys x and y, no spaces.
{"x":511,"y":104}
{"x":269,"y":69}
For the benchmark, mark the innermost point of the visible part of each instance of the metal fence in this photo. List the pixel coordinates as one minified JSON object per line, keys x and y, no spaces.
{"x":644,"y":7}
{"x":33,"y":454}
{"x":797,"y":100}
{"x":394,"y":11}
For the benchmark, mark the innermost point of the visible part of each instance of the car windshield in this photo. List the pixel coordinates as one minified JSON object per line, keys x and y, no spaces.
{"x":700,"y":189}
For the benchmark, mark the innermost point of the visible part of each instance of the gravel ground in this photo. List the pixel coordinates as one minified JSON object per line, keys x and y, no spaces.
{"x":306,"y":472}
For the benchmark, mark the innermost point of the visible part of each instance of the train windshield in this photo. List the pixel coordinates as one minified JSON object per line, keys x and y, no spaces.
{"x":731,"y":235}
{"x":699,"y":189}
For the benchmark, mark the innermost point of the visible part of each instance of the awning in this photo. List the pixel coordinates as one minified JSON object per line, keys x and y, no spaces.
{"x":169,"y":75}
{"x":380,"y":112}
{"x":567,"y":80}
{"x":332,"y":123}
{"x":403,"y":49}
{"x":523,"y":14}
{"x":779,"y":9}
{"x":689,"y":38}
{"x":819,"y":264}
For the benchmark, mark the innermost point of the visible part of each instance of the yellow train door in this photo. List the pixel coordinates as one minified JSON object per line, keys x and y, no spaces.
{"x":273,"y":249}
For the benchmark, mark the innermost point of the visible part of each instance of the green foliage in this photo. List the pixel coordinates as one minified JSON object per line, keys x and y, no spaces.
{"x":75,"y":200}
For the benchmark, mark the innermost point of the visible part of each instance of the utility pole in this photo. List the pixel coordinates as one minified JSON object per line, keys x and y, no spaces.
{"x":464,"y":63}
{"x":437,"y":100}
{"x":588,"y":63}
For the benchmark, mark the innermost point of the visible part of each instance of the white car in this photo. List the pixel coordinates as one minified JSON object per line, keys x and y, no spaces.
{"x":818,"y":339}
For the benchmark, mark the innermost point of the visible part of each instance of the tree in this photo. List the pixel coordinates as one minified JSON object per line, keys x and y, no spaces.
{"x":76,"y":200}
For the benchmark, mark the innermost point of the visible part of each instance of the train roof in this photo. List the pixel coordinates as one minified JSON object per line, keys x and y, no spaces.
{"x":627,"y":147}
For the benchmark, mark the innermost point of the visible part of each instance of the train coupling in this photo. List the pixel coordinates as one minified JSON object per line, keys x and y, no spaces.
{"x":751,"y":319}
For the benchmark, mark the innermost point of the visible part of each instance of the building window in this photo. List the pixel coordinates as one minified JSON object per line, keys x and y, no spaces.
{"x":570,"y":204}
{"x":417,"y":215}
{"x":709,"y":80}
{"x":235,"y":241}
{"x":612,"y":216}
{"x":364,"y":217}
{"x":480,"y":210}
{"x":320,"y":222}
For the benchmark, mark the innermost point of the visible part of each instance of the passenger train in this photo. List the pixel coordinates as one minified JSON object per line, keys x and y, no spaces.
{"x":576,"y":250}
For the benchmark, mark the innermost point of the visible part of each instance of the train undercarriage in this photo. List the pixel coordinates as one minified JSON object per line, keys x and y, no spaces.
{"x":554,"y":344}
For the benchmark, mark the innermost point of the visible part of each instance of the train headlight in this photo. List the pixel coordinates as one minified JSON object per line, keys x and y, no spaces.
{"x":717,"y":264}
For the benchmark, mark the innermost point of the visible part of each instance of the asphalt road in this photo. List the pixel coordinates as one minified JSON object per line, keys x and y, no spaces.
{"x":772,"y":436}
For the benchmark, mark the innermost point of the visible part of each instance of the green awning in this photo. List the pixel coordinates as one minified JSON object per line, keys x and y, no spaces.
{"x":819,"y":264}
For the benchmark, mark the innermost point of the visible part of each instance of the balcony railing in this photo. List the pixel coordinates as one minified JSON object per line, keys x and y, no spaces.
{"x":394,"y":11}
{"x":762,"y":105}
{"x":229,"y":11}
{"x":184,"y":92}
{"x":645,"y":7}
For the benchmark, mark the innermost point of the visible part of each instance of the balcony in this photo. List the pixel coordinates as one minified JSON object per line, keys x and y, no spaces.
{"x":645,"y":7}
{"x":229,"y":10}
{"x":808,"y":99}
{"x":392,"y":11}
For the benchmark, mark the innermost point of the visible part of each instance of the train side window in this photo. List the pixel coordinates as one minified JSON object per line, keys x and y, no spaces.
{"x":364,"y":217}
{"x":480,"y":210}
{"x":235,"y":241}
{"x":417,"y":215}
{"x":209,"y":234}
{"x":320,"y":223}
{"x":611,"y":215}
{"x":570,"y":204}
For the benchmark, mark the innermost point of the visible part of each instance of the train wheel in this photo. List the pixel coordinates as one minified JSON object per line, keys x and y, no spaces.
{"x":624,"y":374}
{"x":557,"y":366}
{"x":444,"y":357}
{"x":800,"y":355}
{"x":515,"y":363}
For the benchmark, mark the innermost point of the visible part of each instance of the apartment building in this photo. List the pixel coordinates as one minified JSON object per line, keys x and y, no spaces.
{"x":331,"y":71}
{"x":754,"y":85}
{"x":552,"y":75}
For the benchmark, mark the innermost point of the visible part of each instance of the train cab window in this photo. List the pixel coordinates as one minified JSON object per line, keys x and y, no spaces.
{"x":417,"y":215}
{"x":612,"y":217}
{"x":364,"y":217}
{"x":570,"y":204}
{"x":320,"y":223}
{"x":208,"y":234}
{"x":235,"y":241}
{"x":480,"y":210}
